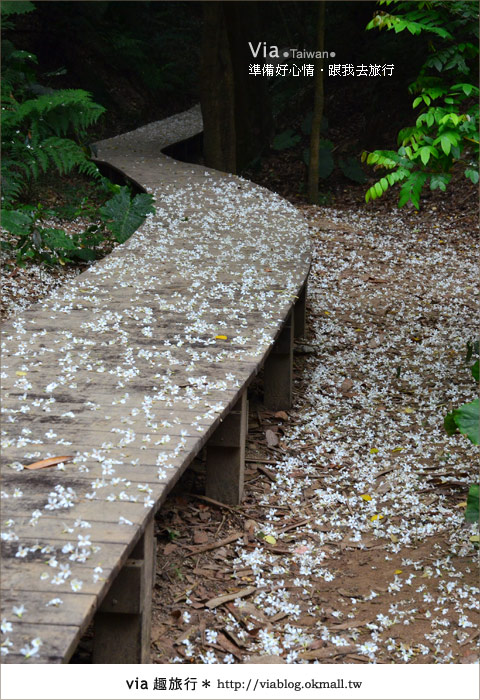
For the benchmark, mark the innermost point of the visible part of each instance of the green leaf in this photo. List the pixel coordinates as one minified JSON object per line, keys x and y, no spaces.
{"x":439,"y":181}
{"x":475,"y":371}
{"x":325,"y":164}
{"x":472,"y":175}
{"x":17,"y":222}
{"x":57,"y":240}
{"x":285,"y":140}
{"x":472,"y":510}
{"x":449,"y":424}
{"x":123,"y":215}
{"x":325,"y":158}
{"x":84,"y":254}
{"x":16,"y":7}
{"x":467,"y":418}
{"x":306,"y":125}
{"x":425,"y":154}
{"x":352,"y":169}
{"x":446,"y":144}
{"x":473,"y":347}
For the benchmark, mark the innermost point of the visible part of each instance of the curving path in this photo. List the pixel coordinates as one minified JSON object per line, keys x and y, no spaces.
{"x":130,"y":369}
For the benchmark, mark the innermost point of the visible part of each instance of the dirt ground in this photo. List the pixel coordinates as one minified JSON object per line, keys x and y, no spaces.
{"x":350,"y":545}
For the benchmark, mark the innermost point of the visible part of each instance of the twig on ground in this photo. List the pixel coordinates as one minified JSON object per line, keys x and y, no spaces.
{"x":214,"y":545}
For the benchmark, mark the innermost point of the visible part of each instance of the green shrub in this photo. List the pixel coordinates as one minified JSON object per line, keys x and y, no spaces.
{"x":39,"y":131}
{"x":31,"y":238}
{"x":446,"y":128}
{"x":466,"y":420}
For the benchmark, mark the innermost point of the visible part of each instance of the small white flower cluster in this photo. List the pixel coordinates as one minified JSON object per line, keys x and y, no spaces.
{"x":61,"y":497}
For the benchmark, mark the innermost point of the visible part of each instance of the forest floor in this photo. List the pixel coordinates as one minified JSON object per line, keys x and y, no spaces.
{"x":350,"y":545}
{"x":358,"y":489}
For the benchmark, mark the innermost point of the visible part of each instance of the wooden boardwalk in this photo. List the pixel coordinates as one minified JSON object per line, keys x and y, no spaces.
{"x":130,"y":370}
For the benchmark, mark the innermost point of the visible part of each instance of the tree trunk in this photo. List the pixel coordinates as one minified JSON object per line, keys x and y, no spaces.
{"x":217,"y":93}
{"x":253,"y":116}
{"x":317,"y":109}
{"x":235,"y":105}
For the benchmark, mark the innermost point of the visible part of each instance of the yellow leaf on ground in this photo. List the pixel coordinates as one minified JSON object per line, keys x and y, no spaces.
{"x":397,"y":449}
{"x":220,"y":337}
{"x":475,"y":538}
{"x":378,"y":516}
{"x":366,"y":497}
{"x":398,"y":571}
{"x":409,"y":410}
{"x":21,"y":374}
{"x":463,"y":504}
{"x":394,"y":539}
{"x":373,"y":451}
{"x":270,"y":539}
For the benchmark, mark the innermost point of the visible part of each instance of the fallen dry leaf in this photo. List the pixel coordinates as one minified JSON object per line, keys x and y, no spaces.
{"x":282,"y":415}
{"x":350,"y":624}
{"x":214,"y":545}
{"x":169,"y":548}
{"x":50,"y":462}
{"x":346,"y":385}
{"x":272,"y":438}
{"x":200,"y":537}
{"x":228,"y":646}
{"x":221,"y":599}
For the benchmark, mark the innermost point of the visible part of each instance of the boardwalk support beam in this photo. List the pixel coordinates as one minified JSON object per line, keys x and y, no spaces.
{"x":122,"y":624}
{"x":299,"y":313}
{"x":226,"y":456}
{"x":278,"y":370}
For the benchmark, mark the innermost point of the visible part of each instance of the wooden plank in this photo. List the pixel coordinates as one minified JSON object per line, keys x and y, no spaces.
{"x":67,"y":529}
{"x":58,"y":642}
{"x":74,"y":609}
{"x":84,"y":510}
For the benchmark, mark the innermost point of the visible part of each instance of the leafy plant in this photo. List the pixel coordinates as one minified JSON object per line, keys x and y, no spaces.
{"x":39,"y":131}
{"x":350,"y":166}
{"x":325,"y":162}
{"x":472,"y":512}
{"x":286,"y":139}
{"x":123,"y":215}
{"x":172,"y":534}
{"x":446,"y":128}
{"x":32,"y":238}
{"x":466,"y":418}
{"x":352,"y":169}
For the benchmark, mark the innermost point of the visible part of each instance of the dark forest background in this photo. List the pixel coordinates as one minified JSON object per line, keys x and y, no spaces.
{"x":141,"y":61}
